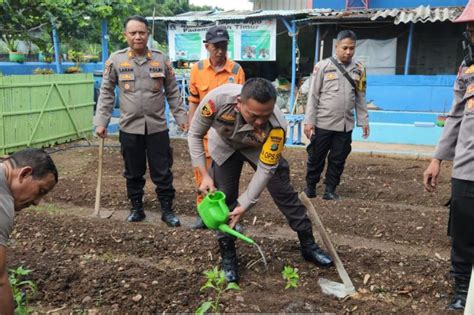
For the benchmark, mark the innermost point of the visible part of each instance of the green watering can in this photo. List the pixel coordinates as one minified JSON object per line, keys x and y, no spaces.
{"x":215,"y":215}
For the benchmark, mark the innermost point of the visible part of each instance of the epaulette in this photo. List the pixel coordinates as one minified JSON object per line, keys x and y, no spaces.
{"x":122,"y":51}
{"x":156,"y":51}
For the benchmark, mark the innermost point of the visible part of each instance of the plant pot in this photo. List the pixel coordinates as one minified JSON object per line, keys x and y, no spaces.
{"x":73,"y":69}
{"x":15,"y":56}
{"x":91,"y":58}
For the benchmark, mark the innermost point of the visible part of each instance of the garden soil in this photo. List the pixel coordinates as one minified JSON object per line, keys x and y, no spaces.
{"x":389,"y":233}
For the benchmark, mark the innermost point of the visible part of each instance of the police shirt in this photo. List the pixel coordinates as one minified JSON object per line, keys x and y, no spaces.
{"x":457,"y":140}
{"x":228,"y":133}
{"x":144,"y":83}
{"x":332,"y":98}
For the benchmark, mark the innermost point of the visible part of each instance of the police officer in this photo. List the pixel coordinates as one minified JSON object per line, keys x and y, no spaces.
{"x":457,"y":144}
{"x":144,"y":77}
{"x":337,"y":87}
{"x":208,"y":74}
{"x":245,"y":126}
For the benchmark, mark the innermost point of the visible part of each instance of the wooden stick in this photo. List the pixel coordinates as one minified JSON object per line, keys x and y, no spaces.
{"x":99,"y":179}
{"x":327,"y":241}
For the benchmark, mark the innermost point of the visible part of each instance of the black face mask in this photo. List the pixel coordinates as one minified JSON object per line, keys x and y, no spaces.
{"x":468,"y":48}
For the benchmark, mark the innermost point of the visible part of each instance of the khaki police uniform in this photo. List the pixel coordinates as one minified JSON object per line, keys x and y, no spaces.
{"x":330,"y":108}
{"x":144,"y":83}
{"x":457,"y":144}
{"x":232,"y":142}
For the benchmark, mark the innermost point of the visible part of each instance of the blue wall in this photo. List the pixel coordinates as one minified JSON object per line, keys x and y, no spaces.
{"x":9,"y":68}
{"x":377,"y":4}
{"x":411,"y":92}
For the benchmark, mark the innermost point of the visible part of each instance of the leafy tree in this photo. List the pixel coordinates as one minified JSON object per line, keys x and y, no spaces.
{"x":78,"y":22}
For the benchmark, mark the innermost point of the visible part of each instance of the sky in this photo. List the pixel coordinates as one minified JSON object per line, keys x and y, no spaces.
{"x":226,"y":5}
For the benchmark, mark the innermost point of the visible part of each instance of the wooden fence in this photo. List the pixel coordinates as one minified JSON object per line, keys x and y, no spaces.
{"x":43,"y":110}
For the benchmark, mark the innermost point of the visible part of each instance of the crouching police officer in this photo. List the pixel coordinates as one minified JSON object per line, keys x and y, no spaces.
{"x":456,"y":144}
{"x":245,"y":126}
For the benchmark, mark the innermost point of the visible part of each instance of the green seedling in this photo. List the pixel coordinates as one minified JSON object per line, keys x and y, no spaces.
{"x":22,"y":289}
{"x":47,"y":207}
{"x":217,"y":283}
{"x":290,"y":275}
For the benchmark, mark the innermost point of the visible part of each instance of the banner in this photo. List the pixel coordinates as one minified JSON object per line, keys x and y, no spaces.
{"x":377,"y":56}
{"x":249,"y":41}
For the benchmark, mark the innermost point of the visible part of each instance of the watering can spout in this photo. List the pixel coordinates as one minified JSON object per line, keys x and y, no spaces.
{"x":227,"y":229}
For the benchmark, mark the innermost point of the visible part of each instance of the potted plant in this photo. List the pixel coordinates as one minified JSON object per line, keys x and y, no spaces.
{"x":92,"y":53}
{"x":47,"y":53}
{"x":77,"y":57}
{"x":43,"y":71}
{"x":12,"y":42}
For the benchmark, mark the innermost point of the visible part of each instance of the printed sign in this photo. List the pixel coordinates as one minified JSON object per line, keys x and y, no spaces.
{"x":251,"y":41}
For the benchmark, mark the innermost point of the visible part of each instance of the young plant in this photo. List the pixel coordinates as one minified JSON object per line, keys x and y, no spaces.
{"x":22,"y":289}
{"x":217,"y":283}
{"x":290,"y":275}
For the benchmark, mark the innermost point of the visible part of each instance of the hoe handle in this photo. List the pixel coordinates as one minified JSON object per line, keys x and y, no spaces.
{"x":99,"y":179}
{"x":327,"y":241}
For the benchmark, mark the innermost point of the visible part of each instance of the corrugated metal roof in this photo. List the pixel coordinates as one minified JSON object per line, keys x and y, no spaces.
{"x":421,"y":14}
{"x":213,"y":16}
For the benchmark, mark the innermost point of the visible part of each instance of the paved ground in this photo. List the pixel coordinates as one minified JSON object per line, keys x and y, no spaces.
{"x":375,"y":148}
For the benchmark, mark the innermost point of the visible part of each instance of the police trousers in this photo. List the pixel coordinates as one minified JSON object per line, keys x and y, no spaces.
{"x":136,"y":150}
{"x":461,"y":221}
{"x":338,"y":145}
{"x":226,"y":179}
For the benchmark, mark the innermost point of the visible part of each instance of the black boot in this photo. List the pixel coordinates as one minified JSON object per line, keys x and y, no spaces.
{"x":461,"y":286}
{"x":311,"y":251}
{"x":310,"y":191}
{"x":167,"y":214}
{"x":137,"y":213}
{"x":330,"y":193}
{"x":229,"y":259}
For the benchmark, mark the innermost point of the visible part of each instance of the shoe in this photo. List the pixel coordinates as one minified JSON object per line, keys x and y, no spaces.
{"x":170,"y":218}
{"x":311,"y":251}
{"x":167,"y":214}
{"x":330,"y":194}
{"x":136,"y":215}
{"x":229,"y":262}
{"x":461,"y":286}
{"x":198,"y":224}
{"x":310,"y":192}
{"x":458,"y":303}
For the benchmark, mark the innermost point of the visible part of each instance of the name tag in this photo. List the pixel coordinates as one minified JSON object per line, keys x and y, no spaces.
{"x":126,"y":77}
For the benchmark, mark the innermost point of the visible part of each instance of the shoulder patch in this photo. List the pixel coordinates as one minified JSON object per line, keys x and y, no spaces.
{"x":169,"y":67}
{"x":209,"y":109}
{"x":273,"y":146}
{"x":315,"y":69}
{"x":107,"y":68}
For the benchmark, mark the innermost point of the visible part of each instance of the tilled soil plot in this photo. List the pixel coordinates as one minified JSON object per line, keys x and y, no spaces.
{"x":390,"y":234}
